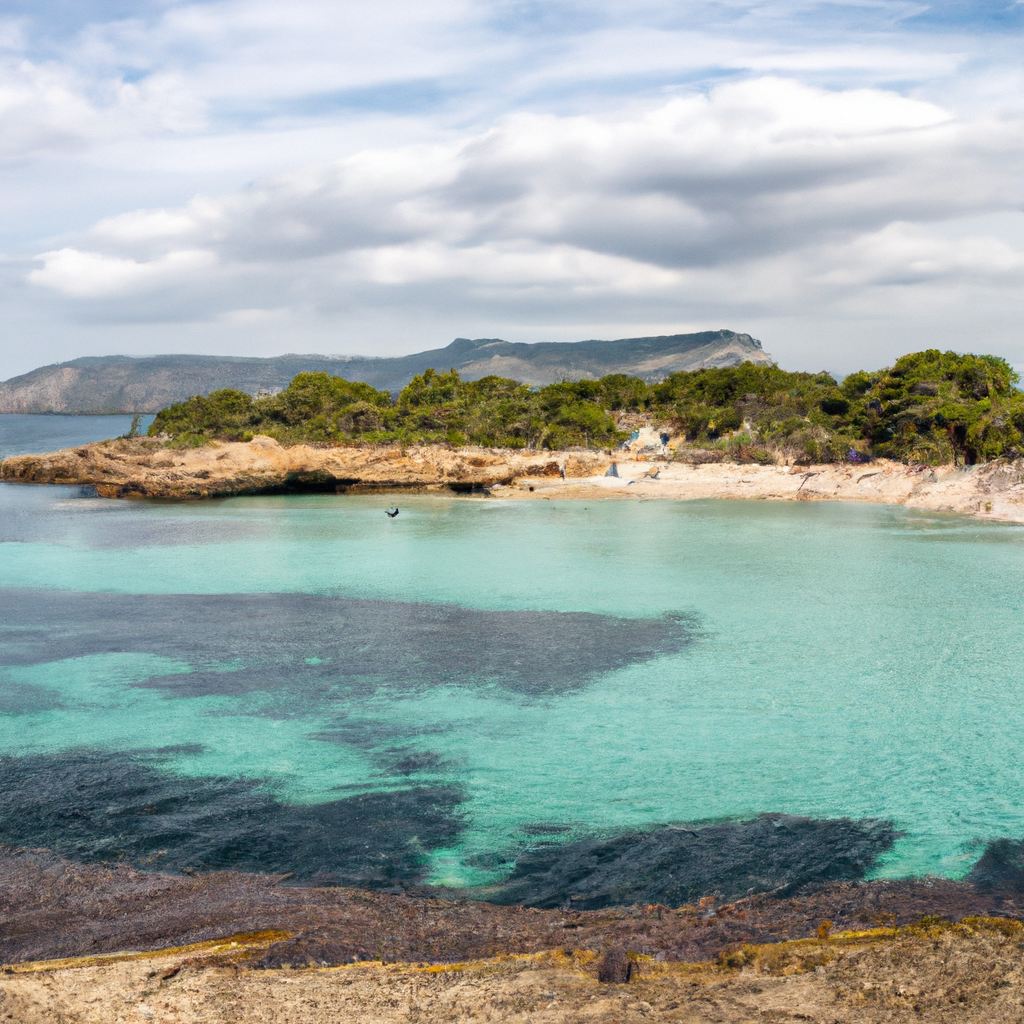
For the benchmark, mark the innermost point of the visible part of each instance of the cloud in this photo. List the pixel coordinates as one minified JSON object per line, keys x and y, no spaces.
{"x":518,"y":268}
{"x":837,"y":187}
{"x":49,"y":109}
{"x":91,"y":275}
{"x":181,"y":68}
{"x":906,"y":254}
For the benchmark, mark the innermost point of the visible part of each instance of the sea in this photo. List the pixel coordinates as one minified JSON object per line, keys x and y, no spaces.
{"x":303,"y":684}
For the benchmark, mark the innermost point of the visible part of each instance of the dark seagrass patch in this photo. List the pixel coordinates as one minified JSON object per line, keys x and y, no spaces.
{"x":674,"y":865}
{"x":324,"y":647}
{"x":92,"y":805}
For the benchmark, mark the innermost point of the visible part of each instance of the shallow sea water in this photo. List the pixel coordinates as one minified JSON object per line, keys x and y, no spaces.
{"x":23,"y":435}
{"x":513,"y":668}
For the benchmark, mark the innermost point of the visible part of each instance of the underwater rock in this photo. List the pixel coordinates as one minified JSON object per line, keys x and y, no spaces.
{"x":774,"y":853}
{"x":51,"y":908}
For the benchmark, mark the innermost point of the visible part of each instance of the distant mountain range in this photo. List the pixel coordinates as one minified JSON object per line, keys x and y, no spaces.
{"x":106,"y":384}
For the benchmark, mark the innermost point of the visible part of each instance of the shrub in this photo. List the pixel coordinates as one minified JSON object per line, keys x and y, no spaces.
{"x":930,"y":406}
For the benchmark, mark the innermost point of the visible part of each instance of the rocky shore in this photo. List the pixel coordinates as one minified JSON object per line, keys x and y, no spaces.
{"x":935,"y":972}
{"x":107,"y":944}
{"x":144,"y":468}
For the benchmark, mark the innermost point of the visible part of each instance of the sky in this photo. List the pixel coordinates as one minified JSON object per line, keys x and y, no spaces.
{"x":843,"y":181}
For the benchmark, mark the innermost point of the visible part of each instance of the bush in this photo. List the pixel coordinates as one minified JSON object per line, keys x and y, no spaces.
{"x":929,"y":407}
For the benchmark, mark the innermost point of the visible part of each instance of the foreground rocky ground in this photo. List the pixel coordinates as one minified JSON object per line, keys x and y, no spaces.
{"x":252,"y":948}
{"x":970,"y":972}
{"x":144,"y":468}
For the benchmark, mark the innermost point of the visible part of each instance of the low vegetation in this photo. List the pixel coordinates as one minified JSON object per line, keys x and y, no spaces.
{"x":930,"y":407}
{"x":433,"y":408}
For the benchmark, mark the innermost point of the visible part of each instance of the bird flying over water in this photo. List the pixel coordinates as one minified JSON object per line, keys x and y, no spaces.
{"x":392,"y":514}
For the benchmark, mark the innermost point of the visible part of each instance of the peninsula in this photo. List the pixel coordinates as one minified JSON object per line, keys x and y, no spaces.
{"x":936,"y":431}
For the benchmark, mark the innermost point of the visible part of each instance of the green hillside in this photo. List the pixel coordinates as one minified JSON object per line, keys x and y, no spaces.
{"x":929,"y":407}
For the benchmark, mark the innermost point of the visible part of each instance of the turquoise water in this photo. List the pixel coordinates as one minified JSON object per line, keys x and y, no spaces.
{"x":840,"y":660}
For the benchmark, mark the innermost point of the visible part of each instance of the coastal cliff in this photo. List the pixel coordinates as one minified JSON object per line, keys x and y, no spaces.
{"x":145,"y":468}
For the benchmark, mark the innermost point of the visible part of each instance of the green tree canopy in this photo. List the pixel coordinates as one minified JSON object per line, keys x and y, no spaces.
{"x":929,"y":407}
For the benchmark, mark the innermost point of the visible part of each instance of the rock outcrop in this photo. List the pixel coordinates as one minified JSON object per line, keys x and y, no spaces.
{"x":247,"y":948}
{"x":144,"y":468}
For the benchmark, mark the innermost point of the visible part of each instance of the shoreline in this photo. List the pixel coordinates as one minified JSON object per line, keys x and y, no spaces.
{"x":993,"y":492}
{"x":109,"y":944}
{"x":145,"y":469}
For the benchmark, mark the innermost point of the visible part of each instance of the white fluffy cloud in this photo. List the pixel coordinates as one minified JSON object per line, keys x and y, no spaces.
{"x":767,"y":180}
{"x":91,"y":275}
{"x":47,"y":109}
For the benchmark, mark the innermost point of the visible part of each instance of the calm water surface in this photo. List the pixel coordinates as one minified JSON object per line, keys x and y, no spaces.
{"x":535,"y":664}
{"x":26,"y":435}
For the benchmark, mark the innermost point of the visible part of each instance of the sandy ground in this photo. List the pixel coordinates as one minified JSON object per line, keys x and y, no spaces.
{"x":143,"y":468}
{"x":967,"y":973}
{"x":994,"y":491}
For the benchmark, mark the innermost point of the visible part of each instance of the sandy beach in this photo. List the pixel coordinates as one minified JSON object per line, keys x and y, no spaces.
{"x":995,"y":491}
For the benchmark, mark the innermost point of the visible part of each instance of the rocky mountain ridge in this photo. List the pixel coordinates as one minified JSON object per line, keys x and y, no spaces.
{"x":111,"y":384}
